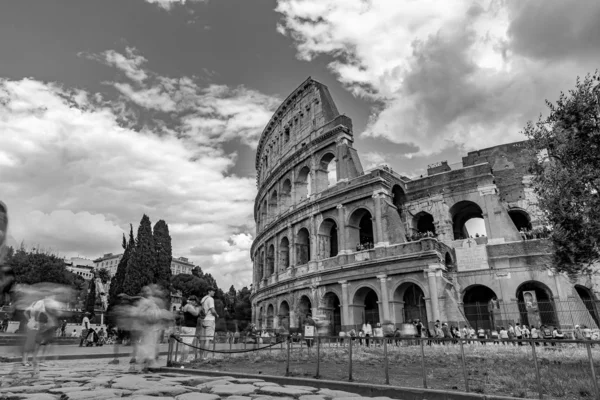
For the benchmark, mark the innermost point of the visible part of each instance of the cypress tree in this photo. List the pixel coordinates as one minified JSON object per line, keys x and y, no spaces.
{"x":90,"y":303}
{"x":162,"y":243}
{"x":142,"y":263}
{"x":116,"y":283}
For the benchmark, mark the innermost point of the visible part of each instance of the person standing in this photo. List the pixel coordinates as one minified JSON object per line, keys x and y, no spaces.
{"x":519,"y":333}
{"x":368,"y":330}
{"x":188,"y":325}
{"x":63,"y":328}
{"x":207,"y":331}
{"x":85,"y":327}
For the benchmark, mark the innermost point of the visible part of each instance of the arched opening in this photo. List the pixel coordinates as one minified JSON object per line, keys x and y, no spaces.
{"x":284,"y":315}
{"x":449,"y":262}
{"x":260,"y":318}
{"x":304,"y":308}
{"x":366,"y":306}
{"x":590,"y":302}
{"x":536,"y":304}
{"x":467,"y":220}
{"x":360,"y":229}
{"x":270,"y":315}
{"x":479,"y":307}
{"x":399,"y":199}
{"x":332,"y":311}
{"x":270,"y":260}
{"x":424,"y":223}
{"x":261,"y":265}
{"x":284,"y":254}
{"x":326,"y":174}
{"x":328,"y":239}
{"x":286,"y":134}
{"x":273,"y":204}
{"x":521,"y":219}
{"x":303,"y":247}
{"x":285,"y":196}
{"x":303,"y":184}
{"x":414,"y":303}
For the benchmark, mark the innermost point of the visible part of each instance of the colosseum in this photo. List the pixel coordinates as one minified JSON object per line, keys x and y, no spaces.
{"x":350,"y":246}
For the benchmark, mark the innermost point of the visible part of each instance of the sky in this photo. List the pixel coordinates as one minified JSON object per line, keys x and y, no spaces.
{"x":115,"y":108}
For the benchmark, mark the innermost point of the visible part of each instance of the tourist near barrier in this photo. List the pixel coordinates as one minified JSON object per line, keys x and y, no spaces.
{"x":283,"y":343}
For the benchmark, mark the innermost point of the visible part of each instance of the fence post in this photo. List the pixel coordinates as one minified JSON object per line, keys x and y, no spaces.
{"x":537,"y":371}
{"x":169,"y":351}
{"x":176,"y":350}
{"x":287,"y":367}
{"x":589,"y":352}
{"x":214,"y":345}
{"x":385,"y":355}
{"x":350,"y":360}
{"x":464,"y":365}
{"x":423,"y":365}
{"x":318,"y":356}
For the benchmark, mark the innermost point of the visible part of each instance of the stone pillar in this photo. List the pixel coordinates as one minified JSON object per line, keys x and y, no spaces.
{"x":292,"y":249}
{"x":385,"y":301}
{"x":313,"y":239}
{"x":433,"y":291}
{"x":345,"y":305}
{"x":276,"y":259}
{"x":342,"y":249}
{"x":379,"y":239}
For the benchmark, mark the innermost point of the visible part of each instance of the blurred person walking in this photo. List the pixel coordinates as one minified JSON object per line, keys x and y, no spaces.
{"x":208,"y":320}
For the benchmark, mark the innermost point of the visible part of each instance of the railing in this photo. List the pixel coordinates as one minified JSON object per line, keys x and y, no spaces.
{"x":521,"y":368}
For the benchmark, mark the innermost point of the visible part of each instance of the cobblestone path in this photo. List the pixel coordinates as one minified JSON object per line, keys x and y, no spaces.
{"x":99,"y":380}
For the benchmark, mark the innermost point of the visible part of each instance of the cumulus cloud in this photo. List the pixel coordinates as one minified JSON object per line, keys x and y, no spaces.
{"x":73,"y":178}
{"x":448,"y":73}
{"x":168,"y":4}
{"x":208,"y":115}
{"x":373,"y":159}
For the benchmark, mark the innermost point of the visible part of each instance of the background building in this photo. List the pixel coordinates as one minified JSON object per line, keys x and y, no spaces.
{"x":109,"y":261}
{"x":81,"y":266}
{"x":463,"y":244}
{"x":181,"y":265}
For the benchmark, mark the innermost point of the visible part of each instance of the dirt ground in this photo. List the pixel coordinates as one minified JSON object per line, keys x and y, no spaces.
{"x":503,"y":370}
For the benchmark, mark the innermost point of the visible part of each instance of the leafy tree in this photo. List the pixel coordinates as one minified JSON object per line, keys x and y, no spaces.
{"x":37,"y":266}
{"x":243,"y":308}
{"x":90,"y":303}
{"x":566,"y":167}
{"x":104,"y":274}
{"x":142,"y":263}
{"x":162,"y":243}
{"x":116,"y":284}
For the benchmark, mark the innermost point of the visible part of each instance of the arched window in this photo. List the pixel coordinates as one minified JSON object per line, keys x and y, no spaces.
{"x":284,"y":315}
{"x":328,"y":239}
{"x":424,"y":223}
{"x":467,"y":220}
{"x":303,"y":184}
{"x":285,"y":196}
{"x":271,"y":261}
{"x":399,"y":199}
{"x":591,"y":305}
{"x":360,"y":229}
{"x":479,"y":302}
{"x":369,"y":312}
{"x":332,"y":311}
{"x":304,"y":308}
{"x":261,"y":265}
{"x":284,"y":254}
{"x":536,"y":304}
{"x":521,"y":219}
{"x":303,"y":247}
{"x":273,"y":205}
{"x":326,"y":174}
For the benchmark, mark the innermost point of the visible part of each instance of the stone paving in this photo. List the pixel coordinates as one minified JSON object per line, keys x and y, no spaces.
{"x":99,"y":380}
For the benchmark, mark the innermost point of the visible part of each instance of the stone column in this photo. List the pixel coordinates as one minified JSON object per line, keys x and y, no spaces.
{"x":313,"y":239}
{"x":345,"y":305}
{"x":292,"y":249}
{"x":276,"y":259}
{"x":385,"y":301}
{"x":342,"y":229}
{"x":433,"y":291}
{"x":379,"y":239}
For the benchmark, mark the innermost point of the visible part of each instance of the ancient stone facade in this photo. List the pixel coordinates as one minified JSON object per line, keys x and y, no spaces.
{"x":350,"y":246}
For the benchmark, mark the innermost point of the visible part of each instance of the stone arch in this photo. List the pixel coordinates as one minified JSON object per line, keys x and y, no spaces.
{"x":303,"y":184}
{"x":520,"y":218}
{"x":590,"y":302}
{"x":409,"y":301}
{"x":284,"y":314}
{"x":467,"y":219}
{"x":260,"y":317}
{"x":333,"y":313}
{"x":284,"y":253}
{"x":449,"y":262}
{"x":365,"y":302}
{"x":479,"y":308}
{"x":261,"y":264}
{"x":399,"y":199}
{"x":424,"y":222}
{"x":285,"y":195}
{"x":326,"y":174}
{"x":302,"y":246}
{"x":273,"y":211}
{"x":270,"y":260}
{"x":360,"y":229}
{"x":270,"y":316}
{"x":328,"y":239}
{"x":304,"y":307}
{"x":537,"y":305}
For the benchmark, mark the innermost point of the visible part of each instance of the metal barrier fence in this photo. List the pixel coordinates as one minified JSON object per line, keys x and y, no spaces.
{"x":542,"y":366}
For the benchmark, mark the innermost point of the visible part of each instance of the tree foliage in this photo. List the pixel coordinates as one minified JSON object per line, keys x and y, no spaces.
{"x":116,"y":284}
{"x":90,"y":302}
{"x":103,"y":274}
{"x":141,"y":265}
{"x":566,"y":169}
{"x":163,"y":249}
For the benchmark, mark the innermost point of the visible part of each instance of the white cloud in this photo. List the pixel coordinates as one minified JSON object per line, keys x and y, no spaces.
{"x":73,"y":179}
{"x":168,"y":4}
{"x":447,"y":73}
{"x":373,"y":159}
